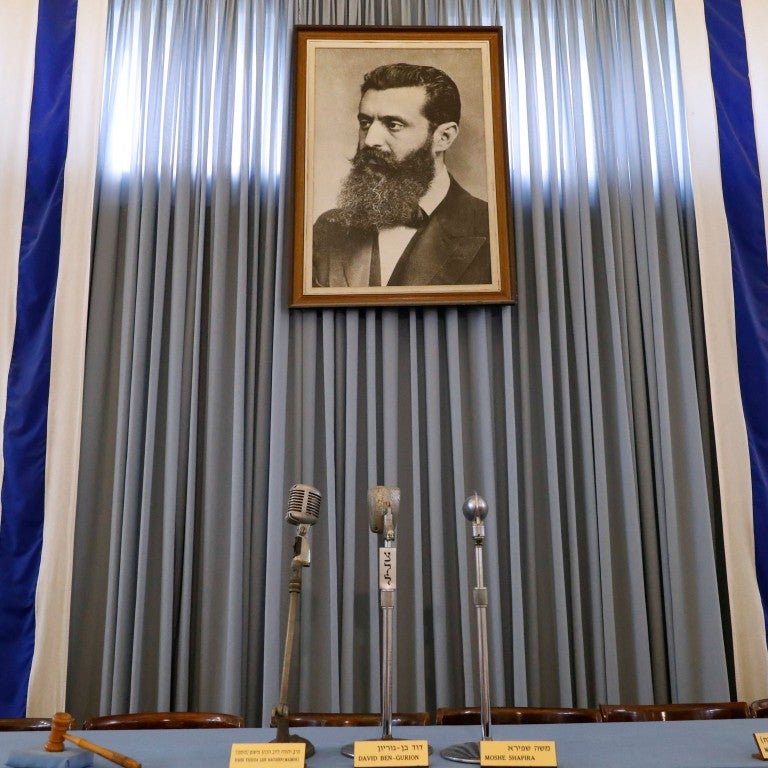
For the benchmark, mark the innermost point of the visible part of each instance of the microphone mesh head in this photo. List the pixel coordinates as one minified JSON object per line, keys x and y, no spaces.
{"x":303,"y":505}
{"x":380,"y":499}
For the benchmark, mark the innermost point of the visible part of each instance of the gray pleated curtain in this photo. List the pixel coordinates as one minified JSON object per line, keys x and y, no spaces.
{"x":579,"y":413}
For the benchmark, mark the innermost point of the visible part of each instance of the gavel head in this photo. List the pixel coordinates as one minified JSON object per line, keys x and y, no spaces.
{"x":59,"y":724}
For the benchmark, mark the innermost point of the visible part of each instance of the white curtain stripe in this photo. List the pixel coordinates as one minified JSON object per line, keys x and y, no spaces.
{"x":748,"y":628}
{"x":18,"y":27}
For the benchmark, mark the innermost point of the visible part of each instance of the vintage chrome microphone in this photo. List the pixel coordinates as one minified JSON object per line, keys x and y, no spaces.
{"x":383,"y":509}
{"x":303,"y":511}
{"x":476,"y":510}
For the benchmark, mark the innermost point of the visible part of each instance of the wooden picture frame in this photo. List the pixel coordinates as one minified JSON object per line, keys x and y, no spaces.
{"x":420,"y":215}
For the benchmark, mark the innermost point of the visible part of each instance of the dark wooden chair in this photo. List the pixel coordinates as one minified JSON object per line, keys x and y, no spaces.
{"x":635,"y":713}
{"x":25,"y":723}
{"x":759,"y":708}
{"x":162,"y":720}
{"x":301,"y":719}
{"x":516,"y":715}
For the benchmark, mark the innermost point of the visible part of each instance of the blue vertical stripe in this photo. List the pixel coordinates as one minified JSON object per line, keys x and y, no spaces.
{"x":26,"y":418}
{"x":744,"y":210}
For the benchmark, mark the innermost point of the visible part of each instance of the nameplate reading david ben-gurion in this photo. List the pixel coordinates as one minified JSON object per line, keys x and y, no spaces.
{"x":391,"y":752}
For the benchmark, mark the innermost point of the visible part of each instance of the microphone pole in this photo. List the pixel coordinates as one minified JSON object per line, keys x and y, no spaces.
{"x":475,"y":510}
{"x":303,"y":511}
{"x":383,"y":505}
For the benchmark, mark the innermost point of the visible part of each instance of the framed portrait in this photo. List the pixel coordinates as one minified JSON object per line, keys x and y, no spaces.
{"x":401,"y":176}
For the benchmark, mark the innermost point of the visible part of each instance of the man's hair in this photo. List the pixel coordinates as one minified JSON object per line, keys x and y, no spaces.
{"x":442,"y":104}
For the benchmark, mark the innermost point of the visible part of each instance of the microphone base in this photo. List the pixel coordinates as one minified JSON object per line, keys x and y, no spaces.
{"x":468,"y":752}
{"x":309,"y":748}
{"x":348,"y":750}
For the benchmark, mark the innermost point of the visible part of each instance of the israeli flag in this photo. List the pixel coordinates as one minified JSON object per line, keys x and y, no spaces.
{"x":51,"y":72}
{"x":724,"y":61}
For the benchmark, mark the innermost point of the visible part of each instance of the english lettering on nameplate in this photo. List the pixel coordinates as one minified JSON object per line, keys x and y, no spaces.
{"x":761,"y":739}
{"x":267,"y":755}
{"x":391,"y":753}
{"x":541,"y":754}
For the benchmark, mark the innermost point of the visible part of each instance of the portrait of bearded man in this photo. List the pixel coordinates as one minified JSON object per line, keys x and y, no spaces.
{"x":401,"y":218}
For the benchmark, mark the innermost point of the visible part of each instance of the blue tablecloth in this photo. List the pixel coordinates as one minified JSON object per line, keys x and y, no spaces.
{"x":690,"y":744}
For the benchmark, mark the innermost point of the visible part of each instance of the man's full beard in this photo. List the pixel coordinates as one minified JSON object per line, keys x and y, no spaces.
{"x":381,"y":191}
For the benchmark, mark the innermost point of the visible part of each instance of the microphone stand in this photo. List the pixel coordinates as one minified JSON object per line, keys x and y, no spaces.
{"x":387,"y":590}
{"x":383,"y":507}
{"x":384,"y":504}
{"x":475,"y":509}
{"x":280,"y":712}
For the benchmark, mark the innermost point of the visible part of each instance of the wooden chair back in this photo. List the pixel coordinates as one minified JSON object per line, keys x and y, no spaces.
{"x":517,"y":715}
{"x":162,"y":720}
{"x":301,"y":719}
{"x":634,"y":713}
{"x":25,"y":723}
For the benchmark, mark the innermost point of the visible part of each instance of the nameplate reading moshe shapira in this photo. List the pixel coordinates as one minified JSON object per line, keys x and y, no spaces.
{"x":538,"y":753}
{"x":761,"y":739}
{"x":391,"y":752}
{"x":252,"y":755}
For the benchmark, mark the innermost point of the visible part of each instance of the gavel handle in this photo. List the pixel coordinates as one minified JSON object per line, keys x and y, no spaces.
{"x":115,"y":757}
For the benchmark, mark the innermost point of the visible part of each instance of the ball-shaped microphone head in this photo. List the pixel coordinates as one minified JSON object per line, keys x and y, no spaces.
{"x":475,"y":508}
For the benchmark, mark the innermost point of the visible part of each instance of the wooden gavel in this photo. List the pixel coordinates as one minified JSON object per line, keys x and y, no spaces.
{"x":61,"y":721}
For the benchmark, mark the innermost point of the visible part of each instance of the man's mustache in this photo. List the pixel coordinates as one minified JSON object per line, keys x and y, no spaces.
{"x":373,"y":157}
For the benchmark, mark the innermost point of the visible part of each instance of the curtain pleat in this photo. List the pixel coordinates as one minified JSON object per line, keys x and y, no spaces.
{"x":579,"y":413}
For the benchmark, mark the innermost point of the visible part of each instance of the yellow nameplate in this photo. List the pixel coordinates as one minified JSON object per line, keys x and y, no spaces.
{"x":539,"y":753}
{"x":252,"y":755}
{"x":391,"y":752}
{"x":762,"y":744}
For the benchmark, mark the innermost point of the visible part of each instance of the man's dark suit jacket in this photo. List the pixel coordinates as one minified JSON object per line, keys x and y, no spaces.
{"x":452,"y":248}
